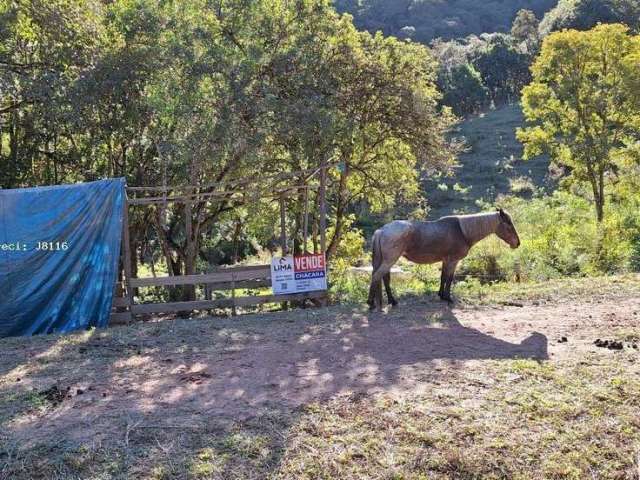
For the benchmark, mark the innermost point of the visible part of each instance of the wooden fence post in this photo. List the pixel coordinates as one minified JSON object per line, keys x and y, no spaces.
{"x":127,"y":256}
{"x":283,"y":226}
{"x":323,"y":206}
{"x":283,"y":236}
{"x":323,"y":216}
{"x":305,"y":235}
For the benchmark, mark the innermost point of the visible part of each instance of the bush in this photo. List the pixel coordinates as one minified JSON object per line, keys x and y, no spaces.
{"x":351,"y":246}
{"x":560,"y":237}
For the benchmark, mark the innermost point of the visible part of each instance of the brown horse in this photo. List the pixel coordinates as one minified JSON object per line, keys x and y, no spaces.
{"x":448,"y":240}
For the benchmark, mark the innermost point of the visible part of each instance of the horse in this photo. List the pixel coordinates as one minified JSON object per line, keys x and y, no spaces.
{"x":447,"y":239}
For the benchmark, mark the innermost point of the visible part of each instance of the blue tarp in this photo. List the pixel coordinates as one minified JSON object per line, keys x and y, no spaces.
{"x":59,"y":249}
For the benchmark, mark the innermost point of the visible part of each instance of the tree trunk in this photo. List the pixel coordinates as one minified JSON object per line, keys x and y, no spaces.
{"x":597,"y":186}
{"x":340,"y":211}
{"x":173,"y":267}
{"x":600,"y":199}
{"x":298,"y":228}
{"x":190,"y":251}
{"x":13,"y":148}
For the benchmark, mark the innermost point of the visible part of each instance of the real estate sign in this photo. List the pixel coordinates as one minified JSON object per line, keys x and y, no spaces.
{"x":300,"y":273}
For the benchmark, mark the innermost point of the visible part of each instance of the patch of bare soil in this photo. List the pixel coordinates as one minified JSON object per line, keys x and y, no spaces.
{"x":179,"y":372}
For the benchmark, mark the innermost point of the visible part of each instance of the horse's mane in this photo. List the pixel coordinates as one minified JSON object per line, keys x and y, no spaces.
{"x":477,"y":226}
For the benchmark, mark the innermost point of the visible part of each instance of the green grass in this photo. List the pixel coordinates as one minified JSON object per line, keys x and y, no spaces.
{"x":564,"y":422}
{"x":419,"y":280}
{"x":522,"y":420}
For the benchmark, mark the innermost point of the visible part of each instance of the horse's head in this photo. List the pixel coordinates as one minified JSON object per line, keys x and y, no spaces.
{"x":506,"y":230}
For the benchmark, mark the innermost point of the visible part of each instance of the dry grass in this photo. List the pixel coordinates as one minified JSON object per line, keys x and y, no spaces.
{"x":517,"y":419}
{"x":574,"y":415}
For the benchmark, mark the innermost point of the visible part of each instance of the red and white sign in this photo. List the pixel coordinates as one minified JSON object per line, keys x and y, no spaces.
{"x":303,"y":273}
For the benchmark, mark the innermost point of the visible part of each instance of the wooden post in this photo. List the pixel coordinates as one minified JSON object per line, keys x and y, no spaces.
{"x":305,"y":235}
{"x":323,"y":214}
{"x":283,"y":236}
{"x":323,"y":207}
{"x":189,"y":292}
{"x":283,"y":226}
{"x":233,"y":294}
{"x":236,"y":235}
{"x":127,"y":255}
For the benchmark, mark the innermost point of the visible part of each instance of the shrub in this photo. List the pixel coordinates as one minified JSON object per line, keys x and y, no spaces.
{"x":559,"y":237}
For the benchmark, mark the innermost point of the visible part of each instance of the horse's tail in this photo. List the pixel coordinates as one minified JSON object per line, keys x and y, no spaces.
{"x":376,"y":252}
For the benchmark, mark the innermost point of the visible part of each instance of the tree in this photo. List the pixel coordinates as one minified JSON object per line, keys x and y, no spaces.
{"x":525,"y":29}
{"x":367,"y":103}
{"x":437,"y":18}
{"x":45,"y":46}
{"x":584,"y":104}
{"x":463,"y":89}
{"x":204,"y":93}
{"x":390,"y":128}
{"x":586,"y":14}
{"x":504,"y":69}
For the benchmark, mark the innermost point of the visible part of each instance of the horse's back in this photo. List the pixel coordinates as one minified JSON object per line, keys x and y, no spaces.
{"x":397,"y":227}
{"x":436,"y":240}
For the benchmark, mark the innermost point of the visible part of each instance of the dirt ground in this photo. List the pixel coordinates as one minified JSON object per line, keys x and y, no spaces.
{"x":94,"y":387}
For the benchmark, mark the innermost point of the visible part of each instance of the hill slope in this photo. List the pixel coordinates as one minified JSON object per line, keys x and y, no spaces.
{"x":491,"y":166}
{"x":424,"y":20}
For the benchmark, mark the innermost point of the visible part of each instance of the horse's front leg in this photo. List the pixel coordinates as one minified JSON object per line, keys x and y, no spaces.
{"x":446,"y":279}
{"x":450,"y":271}
{"x":443,"y":280}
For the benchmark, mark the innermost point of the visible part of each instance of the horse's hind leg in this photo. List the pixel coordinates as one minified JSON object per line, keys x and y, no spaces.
{"x":383,"y":259}
{"x":375,"y":289}
{"x":372,"y":293}
{"x":387,"y":287}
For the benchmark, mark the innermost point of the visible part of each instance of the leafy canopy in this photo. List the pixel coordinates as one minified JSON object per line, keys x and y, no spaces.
{"x":583,"y":105}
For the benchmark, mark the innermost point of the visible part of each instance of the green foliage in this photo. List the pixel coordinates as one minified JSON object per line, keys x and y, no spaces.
{"x":502,"y":60}
{"x":463,"y":89}
{"x":503,"y":68}
{"x":559,"y":238}
{"x":583,"y":105}
{"x":525,"y":29}
{"x":351,"y":247}
{"x":586,"y":14}
{"x":192,"y":93}
{"x":476,"y":71}
{"x":425,"y":20}
{"x":346,"y":286}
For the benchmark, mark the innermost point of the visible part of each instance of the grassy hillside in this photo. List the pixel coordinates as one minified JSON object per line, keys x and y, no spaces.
{"x":491,"y":166}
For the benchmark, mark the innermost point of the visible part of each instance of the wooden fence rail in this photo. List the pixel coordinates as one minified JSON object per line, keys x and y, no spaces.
{"x":124,"y":307}
{"x":233,"y":278}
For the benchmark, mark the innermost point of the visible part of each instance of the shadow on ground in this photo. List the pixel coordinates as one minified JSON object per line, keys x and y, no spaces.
{"x":151,"y":385}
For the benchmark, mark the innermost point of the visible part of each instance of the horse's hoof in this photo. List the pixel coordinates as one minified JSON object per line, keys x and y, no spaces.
{"x":393,"y":304}
{"x":447,"y":299}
